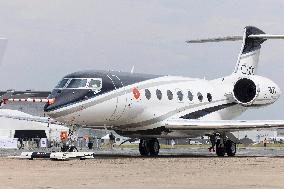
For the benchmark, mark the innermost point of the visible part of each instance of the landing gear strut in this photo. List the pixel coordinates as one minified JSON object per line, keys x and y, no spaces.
{"x":149,"y":147}
{"x":225,"y":146}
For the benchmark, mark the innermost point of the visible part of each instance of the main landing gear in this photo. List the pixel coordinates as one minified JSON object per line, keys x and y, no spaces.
{"x":225,"y":146}
{"x":149,"y":147}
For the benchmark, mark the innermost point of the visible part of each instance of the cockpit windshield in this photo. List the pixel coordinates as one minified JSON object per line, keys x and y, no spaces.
{"x":80,"y":83}
{"x":62,"y":83}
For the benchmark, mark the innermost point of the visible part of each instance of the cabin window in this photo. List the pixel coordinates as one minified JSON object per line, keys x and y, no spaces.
{"x":95,"y":84}
{"x":189,"y":96}
{"x":170,"y":95}
{"x":62,"y":83}
{"x":199,"y":96}
{"x":147,"y":94}
{"x":209,"y":97}
{"x":159,"y":94}
{"x":180,"y":95}
{"x":77,"y":83}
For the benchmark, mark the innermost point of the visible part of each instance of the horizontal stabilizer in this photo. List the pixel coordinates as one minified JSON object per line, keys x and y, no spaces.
{"x":236,"y":38}
{"x":217,"y":39}
{"x":266,"y":36}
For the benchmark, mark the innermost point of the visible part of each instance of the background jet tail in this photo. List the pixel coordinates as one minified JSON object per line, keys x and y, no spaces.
{"x":3,"y":44}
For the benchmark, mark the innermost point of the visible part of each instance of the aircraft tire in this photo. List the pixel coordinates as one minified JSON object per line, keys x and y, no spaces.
{"x":220,"y":150}
{"x":154,"y":147}
{"x":231,"y":148}
{"x":144,"y":147}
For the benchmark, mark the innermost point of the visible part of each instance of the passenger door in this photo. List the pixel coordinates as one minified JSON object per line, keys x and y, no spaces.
{"x":121,"y":99}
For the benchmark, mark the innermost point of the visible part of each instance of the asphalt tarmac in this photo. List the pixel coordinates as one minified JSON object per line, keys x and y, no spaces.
{"x":190,"y":152}
{"x":125,"y":168}
{"x":196,"y":152}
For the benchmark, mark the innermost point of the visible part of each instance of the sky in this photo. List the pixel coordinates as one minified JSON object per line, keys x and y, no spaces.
{"x":48,"y":39}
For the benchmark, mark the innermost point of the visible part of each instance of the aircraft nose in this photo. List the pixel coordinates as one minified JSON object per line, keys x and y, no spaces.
{"x":62,"y":98}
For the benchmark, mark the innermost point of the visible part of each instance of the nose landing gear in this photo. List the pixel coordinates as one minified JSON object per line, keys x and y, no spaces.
{"x":225,"y":146}
{"x":149,"y":147}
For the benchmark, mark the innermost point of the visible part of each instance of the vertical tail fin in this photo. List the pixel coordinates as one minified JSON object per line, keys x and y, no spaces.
{"x":249,"y":55}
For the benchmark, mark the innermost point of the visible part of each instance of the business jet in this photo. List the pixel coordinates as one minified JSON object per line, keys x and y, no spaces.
{"x":148,"y":107}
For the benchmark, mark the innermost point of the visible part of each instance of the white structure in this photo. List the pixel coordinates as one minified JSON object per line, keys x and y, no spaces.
{"x":256,"y":136}
{"x":9,"y":126}
{"x":8,"y":143}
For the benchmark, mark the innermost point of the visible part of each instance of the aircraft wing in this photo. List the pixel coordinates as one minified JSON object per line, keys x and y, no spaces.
{"x":31,"y":102}
{"x":11,"y":94}
{"x":17,"y":115}
{"x":222,"y":125}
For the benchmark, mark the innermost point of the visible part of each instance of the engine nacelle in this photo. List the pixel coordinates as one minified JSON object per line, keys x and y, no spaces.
{"x":255,"y":91}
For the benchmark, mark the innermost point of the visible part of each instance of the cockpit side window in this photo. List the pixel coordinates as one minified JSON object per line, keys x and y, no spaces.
{"x":95,"y":84}
{"x":62,"y":83}
{"x":77,"y":83}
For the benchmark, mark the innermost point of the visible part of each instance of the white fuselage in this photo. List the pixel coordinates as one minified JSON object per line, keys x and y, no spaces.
{"x":122,"y":110}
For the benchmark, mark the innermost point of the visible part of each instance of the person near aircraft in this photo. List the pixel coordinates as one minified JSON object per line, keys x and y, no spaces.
{"x":173,"y":143}
{"x":265,"y":143}
{"x":212,"y":139}
{"x":111,"y":140}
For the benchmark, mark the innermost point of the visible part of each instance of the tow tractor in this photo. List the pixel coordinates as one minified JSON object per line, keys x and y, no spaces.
{"x":67,"y":152}
{"x":69,"y":155}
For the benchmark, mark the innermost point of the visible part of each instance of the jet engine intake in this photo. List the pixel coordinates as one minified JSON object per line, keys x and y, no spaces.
{"x":245,"y":90}
{"x":255,"y":91}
